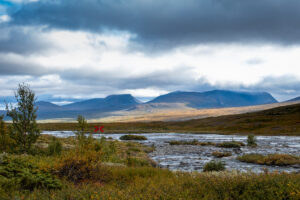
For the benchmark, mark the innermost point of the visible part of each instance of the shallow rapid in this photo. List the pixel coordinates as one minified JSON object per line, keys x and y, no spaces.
{"x":193,"y":158}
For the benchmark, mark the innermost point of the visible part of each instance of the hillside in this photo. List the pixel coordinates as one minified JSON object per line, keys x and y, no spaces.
{"x":216,"y":99}
{"x":284,"y":120}
{"x":92,"y":108}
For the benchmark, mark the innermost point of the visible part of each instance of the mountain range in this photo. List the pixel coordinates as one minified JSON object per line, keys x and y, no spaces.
{"x":111,"y":105}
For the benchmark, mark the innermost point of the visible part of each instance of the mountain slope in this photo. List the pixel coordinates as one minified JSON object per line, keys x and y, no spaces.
{"x":216,"y":99}
{"x":110,"y":103}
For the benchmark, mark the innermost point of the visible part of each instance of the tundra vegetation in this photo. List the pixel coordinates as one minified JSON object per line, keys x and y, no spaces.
{"x":271,"y":159}
{"x":214,"y":166}
{"x":133,"y":137}
{"x":251,"y":141}
{"x":82,"y":167}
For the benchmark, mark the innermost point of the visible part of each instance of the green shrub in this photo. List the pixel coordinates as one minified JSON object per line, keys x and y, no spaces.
{"x":133,"y":137}
{"x":214,"y":166}
{"x":18,"y":173}
{"x":6,"y":141}
{"x":251,"y":141}
{"x":55,"y":147}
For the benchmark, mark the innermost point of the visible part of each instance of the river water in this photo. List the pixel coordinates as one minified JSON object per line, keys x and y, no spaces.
{"x":193,"y":158}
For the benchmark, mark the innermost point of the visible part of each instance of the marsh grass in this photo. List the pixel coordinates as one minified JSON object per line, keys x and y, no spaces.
{"x":231,"y":144}
{"x":271,"y":159}
{"x":214,"y":166}
{"x":133,"y":137}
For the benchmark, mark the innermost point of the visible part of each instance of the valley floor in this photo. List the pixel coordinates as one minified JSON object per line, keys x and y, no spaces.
{"x":283,"y":120}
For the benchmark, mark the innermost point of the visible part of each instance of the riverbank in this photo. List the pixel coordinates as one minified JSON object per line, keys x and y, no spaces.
{"x":283,"y":120}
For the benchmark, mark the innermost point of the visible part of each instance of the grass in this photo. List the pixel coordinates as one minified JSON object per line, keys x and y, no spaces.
{"x":231,"y":144}
{"x":277,"y":121}
{"x":133,"y":137}
{"x":219,"y":154}
{"x":271,"y":159}
{"x":108,"y":169}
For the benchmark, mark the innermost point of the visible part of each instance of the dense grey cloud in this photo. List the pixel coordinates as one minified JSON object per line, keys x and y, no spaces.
{"x":13,"y":66}
{"x":172,"y":79}
{"x":173,"y":22}
{"x":22,"y":40}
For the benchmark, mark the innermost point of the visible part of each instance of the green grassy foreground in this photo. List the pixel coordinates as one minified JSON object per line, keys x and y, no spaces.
{"x":283,"y":120}
{"x":121,"y":170}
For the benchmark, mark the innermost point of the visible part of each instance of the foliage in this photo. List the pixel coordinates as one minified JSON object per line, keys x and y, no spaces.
{"x":89,"y":174}
{"x":18,"y":173}
{"x":251,"y":141}
{"x":231,"y":144}
{"x":271,"y":159}
{"x":83,"y":141}
{"x":24,"y":126}
{"x":6,"y":142}
{"x":214,"y":166}
{"x":55,"y":147}
{"x":133,"y":137}
{"x":219,"y":154}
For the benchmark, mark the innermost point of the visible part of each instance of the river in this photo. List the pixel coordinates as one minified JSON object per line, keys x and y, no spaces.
{"x":193,"y":158}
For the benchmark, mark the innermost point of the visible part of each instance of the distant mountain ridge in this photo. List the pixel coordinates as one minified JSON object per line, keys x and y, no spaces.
{"x":103,"y":107}
{"x":216,"y":99}
{"x":294,"y":99}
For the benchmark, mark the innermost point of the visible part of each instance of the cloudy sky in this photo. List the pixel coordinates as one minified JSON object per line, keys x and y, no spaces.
{"x":74,"y":49}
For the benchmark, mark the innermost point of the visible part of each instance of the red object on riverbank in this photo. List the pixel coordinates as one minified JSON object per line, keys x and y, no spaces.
{"x":99,"y":128}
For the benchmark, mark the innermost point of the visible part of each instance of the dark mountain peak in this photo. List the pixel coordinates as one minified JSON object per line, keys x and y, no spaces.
{"x":216,"y":98}
{"x":121,"y":99}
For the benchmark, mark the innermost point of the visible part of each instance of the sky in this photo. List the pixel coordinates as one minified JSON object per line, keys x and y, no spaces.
{"x":68,"y":50}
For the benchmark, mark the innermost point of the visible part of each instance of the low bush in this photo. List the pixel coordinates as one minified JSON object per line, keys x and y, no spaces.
{"x":251,"y":141}
{"x":231,"y":144}
{"x":19,"y":173}
{"x":271,"y":159}
{"x":214,"y":166}
{"x":219,"y":154}
{"x":133,"y":137}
